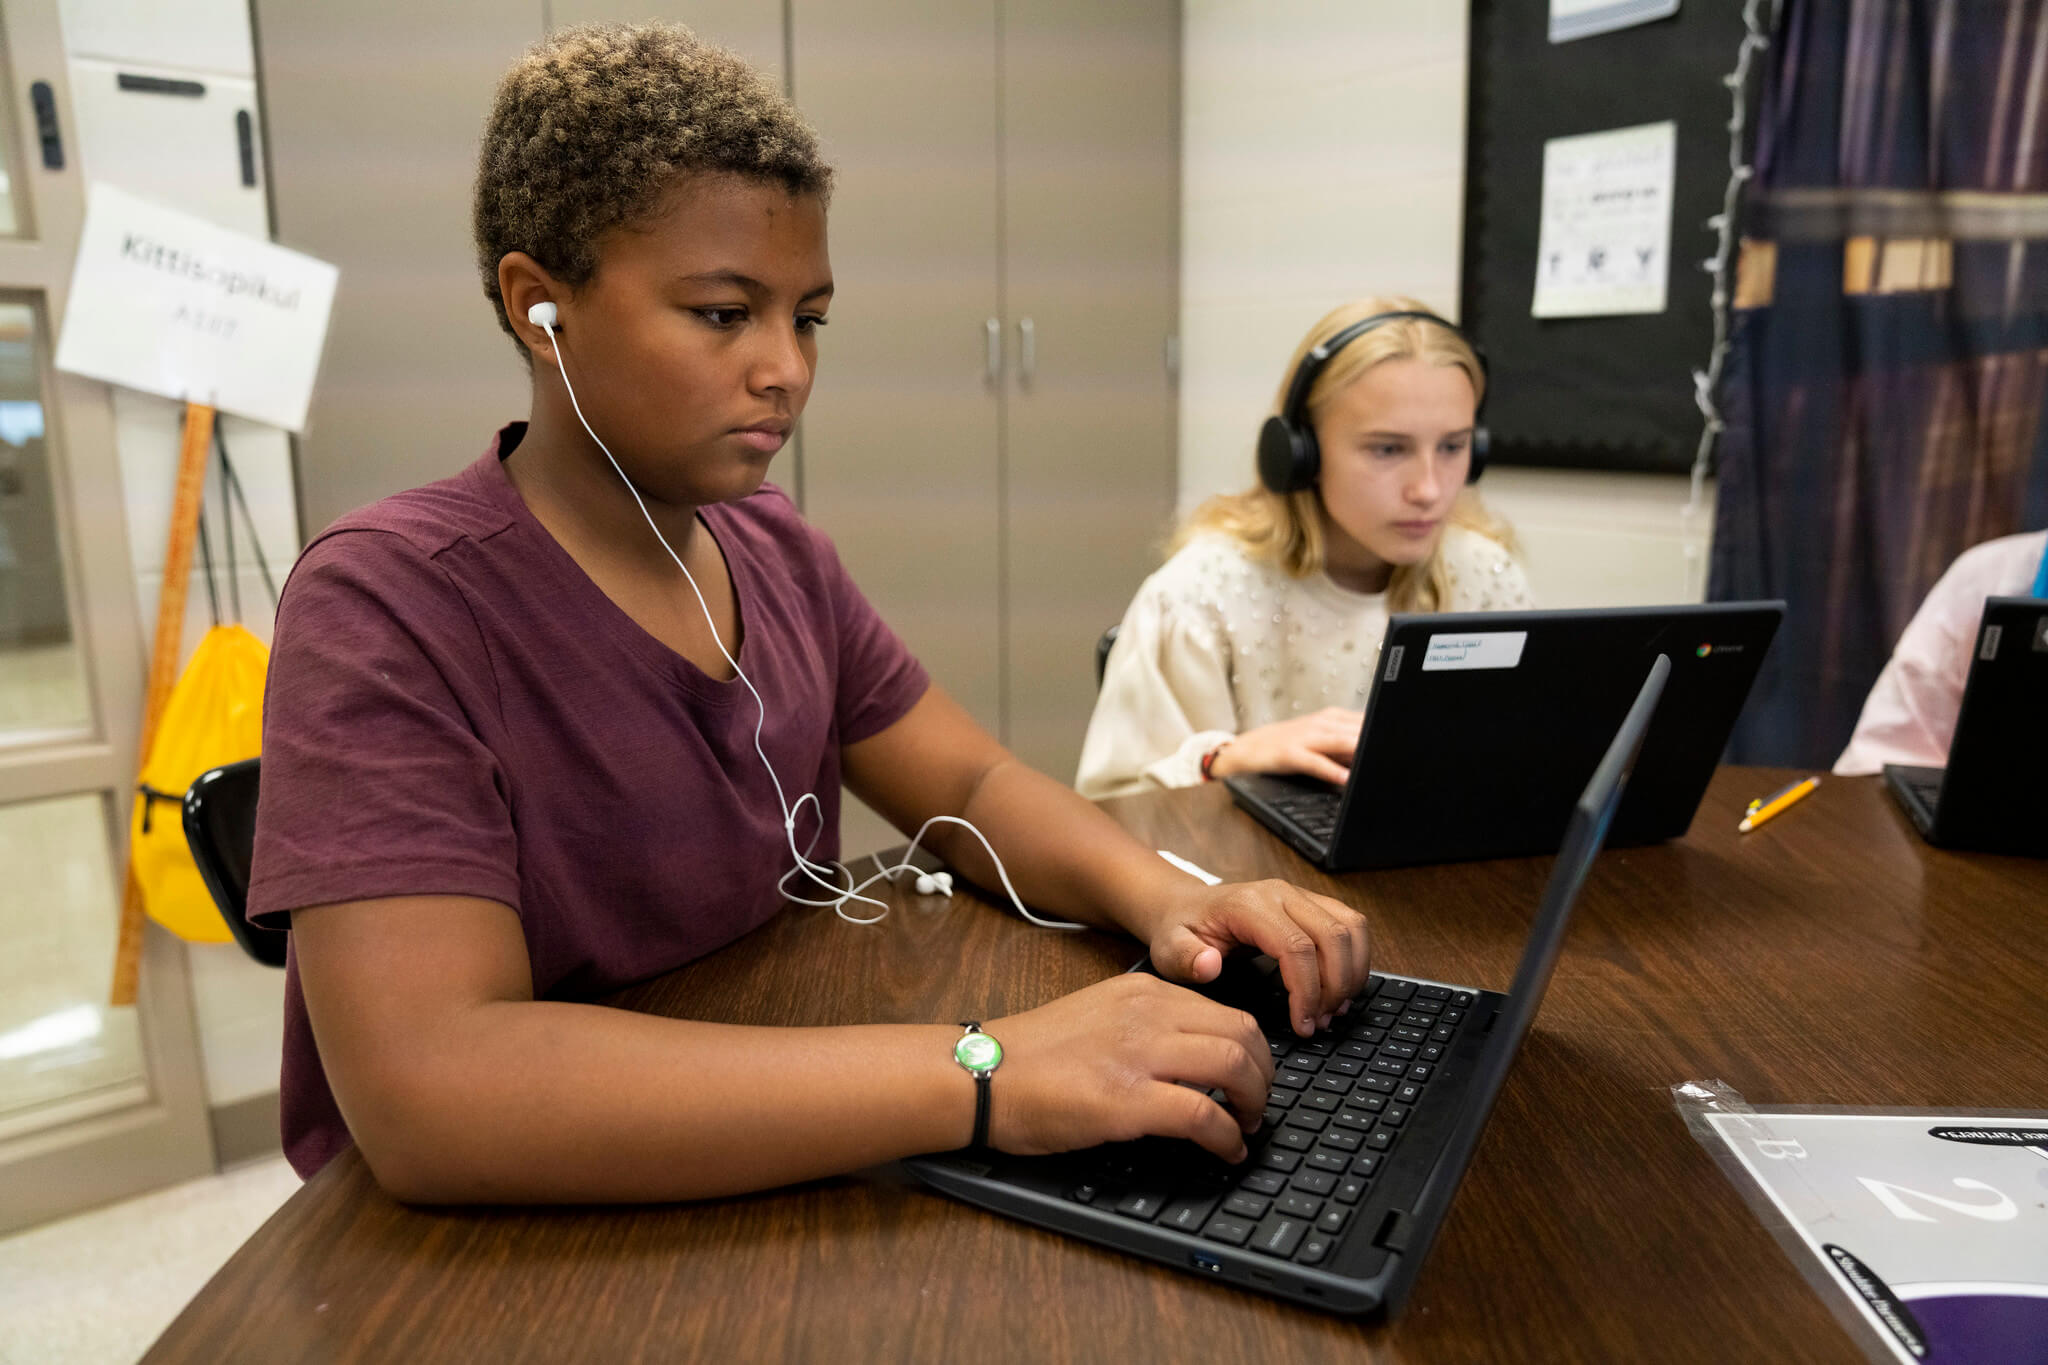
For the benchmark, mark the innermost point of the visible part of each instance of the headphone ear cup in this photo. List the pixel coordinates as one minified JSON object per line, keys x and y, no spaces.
{"x":1482,"y":442}
{"x":1288,"y":458}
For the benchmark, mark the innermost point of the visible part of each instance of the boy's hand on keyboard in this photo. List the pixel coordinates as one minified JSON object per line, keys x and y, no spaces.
{"x":1127,"y":1058}
{"x":1323,"y":946}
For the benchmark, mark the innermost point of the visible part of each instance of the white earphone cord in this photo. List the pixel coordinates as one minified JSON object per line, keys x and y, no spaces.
{"x":817,"y":872}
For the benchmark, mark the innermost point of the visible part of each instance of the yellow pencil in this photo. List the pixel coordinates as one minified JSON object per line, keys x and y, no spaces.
{"x":1763,"y":801}
{"x":1792,"y":795}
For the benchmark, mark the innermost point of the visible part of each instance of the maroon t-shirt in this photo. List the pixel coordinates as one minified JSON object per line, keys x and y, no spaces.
{"x":455,"y":708}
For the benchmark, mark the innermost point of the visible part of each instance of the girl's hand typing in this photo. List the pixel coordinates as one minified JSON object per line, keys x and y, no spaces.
{"x":1319,"y":744}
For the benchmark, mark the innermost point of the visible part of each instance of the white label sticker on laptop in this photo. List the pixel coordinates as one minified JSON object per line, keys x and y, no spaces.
{"x":1475,"y":649}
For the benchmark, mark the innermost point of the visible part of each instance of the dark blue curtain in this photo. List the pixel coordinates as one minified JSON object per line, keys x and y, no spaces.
{"x":1883,"y":391}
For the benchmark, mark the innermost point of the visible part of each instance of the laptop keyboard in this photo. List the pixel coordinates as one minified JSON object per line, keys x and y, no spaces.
{"x":1339,"y":1104}
{"x":1928,"y":788}
{"x":1314,"y":811}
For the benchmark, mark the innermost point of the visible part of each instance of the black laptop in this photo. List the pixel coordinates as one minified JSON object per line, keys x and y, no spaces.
{"x":1482,"y":728}
{"x":1368,"y":1127}
{"x":1989,"y":799}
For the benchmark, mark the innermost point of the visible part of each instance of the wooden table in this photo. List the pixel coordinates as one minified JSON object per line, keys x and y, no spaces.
{"x":1829,"y":958}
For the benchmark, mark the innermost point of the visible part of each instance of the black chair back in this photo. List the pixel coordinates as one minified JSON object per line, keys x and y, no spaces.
{"x":1102,"y":647}
{"x":220,"y":825}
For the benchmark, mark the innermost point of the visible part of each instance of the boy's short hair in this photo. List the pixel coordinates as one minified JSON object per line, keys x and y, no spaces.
{"x":592,"y":124}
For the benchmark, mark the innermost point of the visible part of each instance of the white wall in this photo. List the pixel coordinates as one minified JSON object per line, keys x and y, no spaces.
{"x":182,"y":151}
{"x":1323,"y":158}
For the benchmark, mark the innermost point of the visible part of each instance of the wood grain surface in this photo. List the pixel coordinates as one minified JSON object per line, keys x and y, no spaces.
{"x":1828,"y":958}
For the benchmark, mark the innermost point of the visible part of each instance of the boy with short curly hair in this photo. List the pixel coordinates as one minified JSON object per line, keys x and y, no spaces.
{"x":510,"y":764}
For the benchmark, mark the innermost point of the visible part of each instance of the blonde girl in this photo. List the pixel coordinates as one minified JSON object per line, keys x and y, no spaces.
{"x":1251,"y":649}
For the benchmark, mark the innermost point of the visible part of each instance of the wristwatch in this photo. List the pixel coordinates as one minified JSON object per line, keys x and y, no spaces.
{"x":978,"y":1054}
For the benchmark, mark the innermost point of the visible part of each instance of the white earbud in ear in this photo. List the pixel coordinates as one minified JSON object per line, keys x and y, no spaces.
{"x":542,"y":314}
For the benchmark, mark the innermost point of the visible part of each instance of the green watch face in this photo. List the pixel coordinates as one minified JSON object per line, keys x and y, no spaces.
{"x":978,"y":1052}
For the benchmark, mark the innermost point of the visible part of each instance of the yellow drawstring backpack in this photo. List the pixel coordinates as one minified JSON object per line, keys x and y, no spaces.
{"x":214,"y":716}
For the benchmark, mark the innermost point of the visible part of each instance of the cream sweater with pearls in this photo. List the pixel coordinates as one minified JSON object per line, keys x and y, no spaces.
{"x":1217,"y":643}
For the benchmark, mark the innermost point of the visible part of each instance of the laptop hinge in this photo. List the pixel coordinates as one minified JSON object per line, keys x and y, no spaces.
{"x":1393,"y":1233}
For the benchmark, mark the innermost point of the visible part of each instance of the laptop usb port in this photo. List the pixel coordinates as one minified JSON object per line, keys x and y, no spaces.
{"x":1208,"y":1263}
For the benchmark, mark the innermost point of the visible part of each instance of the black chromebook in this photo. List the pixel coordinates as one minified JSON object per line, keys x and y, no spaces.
{"x":1988,"y":799}
{"x":1368,"y":1128}
{"x":1482,"y":727}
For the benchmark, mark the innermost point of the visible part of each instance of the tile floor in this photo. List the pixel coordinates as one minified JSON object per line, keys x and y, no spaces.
{"x":99,"y":1287}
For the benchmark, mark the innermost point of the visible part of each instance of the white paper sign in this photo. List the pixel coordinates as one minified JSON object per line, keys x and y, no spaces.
{"x":1571,"y":19}
{"x":1605,"y":244}
{"x":174,"y":305}
{"x":1474,"y":649}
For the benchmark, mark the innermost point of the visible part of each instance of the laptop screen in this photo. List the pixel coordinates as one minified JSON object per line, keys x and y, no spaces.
{"x":1590,"y":819}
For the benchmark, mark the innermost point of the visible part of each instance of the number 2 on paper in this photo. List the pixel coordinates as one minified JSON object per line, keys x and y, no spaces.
{"x":2000,"y":1211}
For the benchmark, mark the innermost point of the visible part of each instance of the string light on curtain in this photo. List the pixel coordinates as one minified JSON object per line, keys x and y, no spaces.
{"x":1759,"y":18}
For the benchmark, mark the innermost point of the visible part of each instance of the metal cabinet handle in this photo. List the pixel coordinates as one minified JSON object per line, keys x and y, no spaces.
{"x":245,"y":144}
{"x":44,"y":101}
{"x":994,"y":342}
{"x":1027,"y":351}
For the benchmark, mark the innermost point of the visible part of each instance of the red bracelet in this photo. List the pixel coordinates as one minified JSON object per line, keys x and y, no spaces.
{"x":1209,"y":761}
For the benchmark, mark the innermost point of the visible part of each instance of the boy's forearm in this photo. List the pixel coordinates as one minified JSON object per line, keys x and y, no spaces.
{"x":1066,"y":858}
{"x":508,"y":1105}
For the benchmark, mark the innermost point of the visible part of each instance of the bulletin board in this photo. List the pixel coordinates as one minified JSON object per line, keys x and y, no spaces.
{"x":1596,"y":392}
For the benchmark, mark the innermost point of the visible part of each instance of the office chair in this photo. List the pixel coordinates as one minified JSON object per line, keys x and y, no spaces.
{"x":220,"y":826}
{"x":1102,"y":654}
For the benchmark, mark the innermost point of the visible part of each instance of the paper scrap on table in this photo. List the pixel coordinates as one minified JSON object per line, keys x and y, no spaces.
{"x":1570,"y":19}
{"x":1605,"y":244}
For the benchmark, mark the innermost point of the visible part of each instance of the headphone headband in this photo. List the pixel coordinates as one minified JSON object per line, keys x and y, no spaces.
{"x":1320,"y":355}
{"x":1289,"y":460}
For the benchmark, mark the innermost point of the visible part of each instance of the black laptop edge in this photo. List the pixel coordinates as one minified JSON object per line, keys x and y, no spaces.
{"x":1983,"y":709}
{"x":1405,"y":1234}
{"x":1255,"y":792}
{"x":1590,"y":819}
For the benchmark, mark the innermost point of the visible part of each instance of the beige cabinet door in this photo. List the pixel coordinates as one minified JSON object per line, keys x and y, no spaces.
{"x":900,"y":457}
{"x":1091,"y":230}
{"x":899,"y":450}
{"x":95,"y":1102}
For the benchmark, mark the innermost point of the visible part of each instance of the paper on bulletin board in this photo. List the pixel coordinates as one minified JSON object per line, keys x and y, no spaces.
{"x":1570,"y":19}
{"x":172,"y":304}
{"x":1929,"y":1229}
{"x":1605,"y":243}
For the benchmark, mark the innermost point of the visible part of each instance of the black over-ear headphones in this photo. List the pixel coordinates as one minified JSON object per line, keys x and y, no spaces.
{"x":1290,"y":460}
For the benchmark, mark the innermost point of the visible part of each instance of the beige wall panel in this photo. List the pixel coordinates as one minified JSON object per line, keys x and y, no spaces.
{"x":899,"y":443}
{"x":1593,"y":538}
{"x":374,"y":108}
{"x":752,"y":28}
{"x":1091,"y":212}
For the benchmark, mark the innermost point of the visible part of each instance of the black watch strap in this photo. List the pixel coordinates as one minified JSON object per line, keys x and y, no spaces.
{"x":982,"y":1087}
